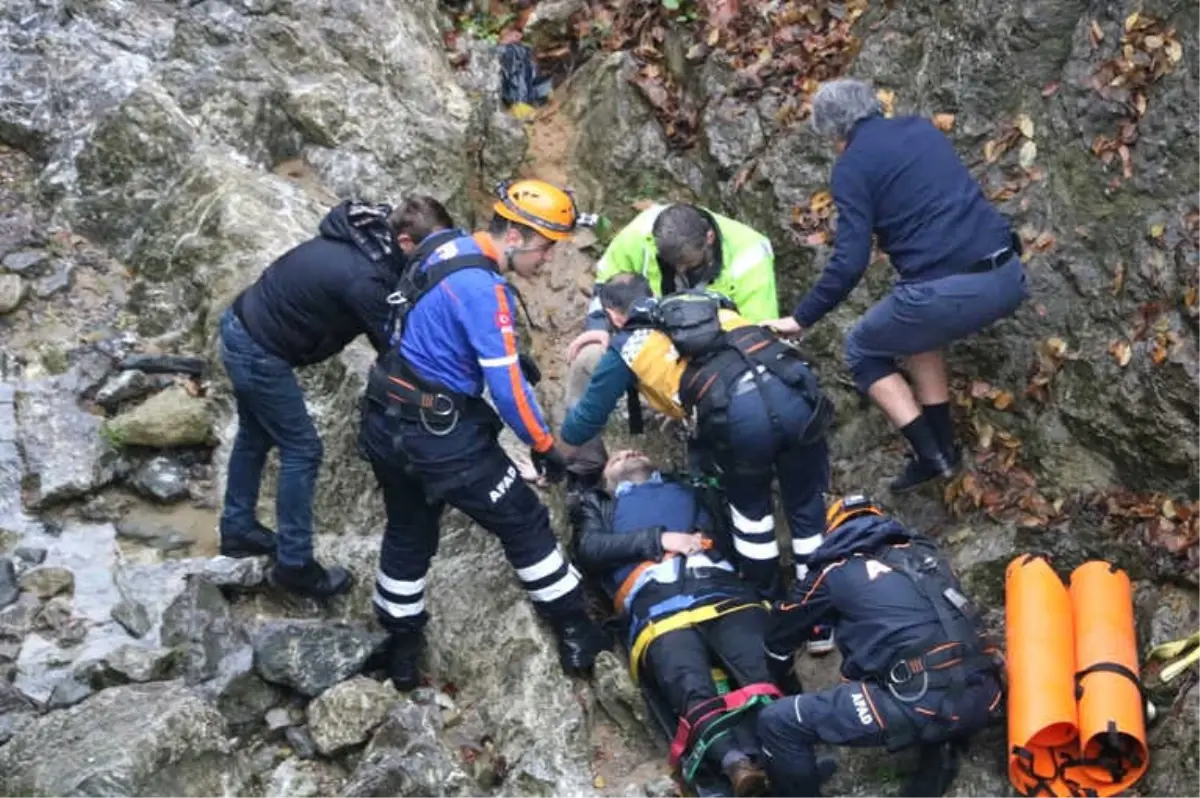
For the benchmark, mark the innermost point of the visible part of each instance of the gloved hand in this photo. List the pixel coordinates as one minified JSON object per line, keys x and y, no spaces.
{"x":784,"y":675}
{"x":550,"y":464}
{"x":529,"y":367}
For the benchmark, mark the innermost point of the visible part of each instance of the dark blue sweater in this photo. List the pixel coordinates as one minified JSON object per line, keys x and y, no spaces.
{"x":901,"y":179}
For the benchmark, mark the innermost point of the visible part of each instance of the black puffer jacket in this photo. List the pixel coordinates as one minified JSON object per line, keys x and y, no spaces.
{"x":319,"y":296}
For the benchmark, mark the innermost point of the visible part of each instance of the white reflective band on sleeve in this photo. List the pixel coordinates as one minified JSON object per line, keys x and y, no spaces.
{"x":397,"y":610}
{"x":560,"y":588}
{"x":744,"y":524}
{"x":756,"y":551}
{"x":778,"y":657}
{"x":806,"y":545}
{"x":401,"y":587}
{"x":750,"y":257}
{"x":496,"y":362}
{"x":542,"y":568}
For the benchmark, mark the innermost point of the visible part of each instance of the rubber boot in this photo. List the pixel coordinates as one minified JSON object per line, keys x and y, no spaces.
{"x":940,"y":421}
{"x":927,"y":462}
{"x":937,"y":766}
{"x":311,"y":579}
{"x":579,"y":641}
{"x":404,"y":660}
{"x":258,"y":542}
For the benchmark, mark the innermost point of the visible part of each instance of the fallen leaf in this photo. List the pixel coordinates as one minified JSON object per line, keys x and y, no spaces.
{"x":1002,"y":400}
{"x":991,"y":151}
{"x":1095,"y":34}
{"x":1043,"y":242}
{"x":599,"y":783}
{"x":714,"y":36}
{"x":1126,"y":161}
{"x":1118,"y":279}
{"x":986,"y":432}
{"x":1025,"y":125}
{"x":887,"y":98}
{"x":1152,"y":42}
{"x":1157,"y":230}
{"x":980,"y":389}
{"x":1121,"y":350}
{"x":1131,"y":21}
{"x":1158,"y":355}
{"x":1139,"y":104}
{"x":1056,"y":347}
{"x":1050,"y":88}
{"x":943,"y":122}
{"x":1191,"y":299}
{"x":820,"y":202}
{"x":1027,"y":154}
{"x":1174,"y":51}
{"x":816,"y":239}
{"x":1168,"y":509}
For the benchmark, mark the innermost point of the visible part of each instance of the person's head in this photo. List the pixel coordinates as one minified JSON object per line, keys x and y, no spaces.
{"x":628,"y":465}
{"x":839,"y":105}
{"x":417,"y":217}
{"x":685,"y":239}
{"x":620,"y":294}
{"x":529,"y":217}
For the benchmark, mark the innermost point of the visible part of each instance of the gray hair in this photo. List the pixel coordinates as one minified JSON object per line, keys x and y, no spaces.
{"x":839,"y":105}
{"x":680,"y":233}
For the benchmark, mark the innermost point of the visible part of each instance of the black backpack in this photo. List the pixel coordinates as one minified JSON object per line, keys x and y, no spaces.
{"x":690,"y":318}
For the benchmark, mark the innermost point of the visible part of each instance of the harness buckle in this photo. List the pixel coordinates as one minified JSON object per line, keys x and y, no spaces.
{"x":397,"y":298}
{"x":901,"y":667}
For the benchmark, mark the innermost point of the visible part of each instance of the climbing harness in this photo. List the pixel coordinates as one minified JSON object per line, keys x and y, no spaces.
{"x":643,"y":633}
{"x":721,"y":714}
{"x":1076,"y":721}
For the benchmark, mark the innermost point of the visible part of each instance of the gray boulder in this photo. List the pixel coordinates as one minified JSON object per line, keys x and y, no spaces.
{"x":347,"y":713}
{"x":170,"y":418}
{"x":311,"y":656}
{"x":65,"y":456}
{"x":145,"y":739}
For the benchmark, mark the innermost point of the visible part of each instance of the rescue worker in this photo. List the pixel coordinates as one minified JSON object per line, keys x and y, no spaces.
{"x":918,"y":667}
{"x":759,"y":414}
{"x":305,"y":307}
{"x":958,"y":263}
{"x":655,"y":548}
{"x":673,"y":246}
{"x":432,"y":439}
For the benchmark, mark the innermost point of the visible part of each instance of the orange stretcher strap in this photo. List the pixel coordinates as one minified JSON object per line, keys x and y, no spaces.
{"x":1075,"y":705}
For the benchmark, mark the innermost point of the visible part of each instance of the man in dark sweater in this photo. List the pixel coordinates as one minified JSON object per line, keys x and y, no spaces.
{"x":306,"y":307}
{"x":656,"y":550}
{"x":957,"y":260}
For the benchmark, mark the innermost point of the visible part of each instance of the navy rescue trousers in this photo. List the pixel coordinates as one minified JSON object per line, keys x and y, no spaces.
{"x":859,"y":715}
{"x":420,"y":472}
{"x":763,"y":450}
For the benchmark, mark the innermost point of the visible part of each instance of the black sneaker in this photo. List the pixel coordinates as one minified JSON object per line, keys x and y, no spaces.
{"x":403,"y":660}
{"x":257,"y":542}
{"x":579,"y":641}
{"x":311,"y":579}
{"x":921,"y":470}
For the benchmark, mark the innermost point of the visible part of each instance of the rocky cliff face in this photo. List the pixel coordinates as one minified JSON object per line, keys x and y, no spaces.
{"x":157,"y":157}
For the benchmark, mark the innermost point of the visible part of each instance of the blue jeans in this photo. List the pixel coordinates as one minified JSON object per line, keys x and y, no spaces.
{"x":924,"y":317}
{"x":764,"y":451}
{"x":271,"y":412}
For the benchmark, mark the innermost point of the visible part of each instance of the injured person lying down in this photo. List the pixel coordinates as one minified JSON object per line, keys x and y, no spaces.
{"x":692,"y":626}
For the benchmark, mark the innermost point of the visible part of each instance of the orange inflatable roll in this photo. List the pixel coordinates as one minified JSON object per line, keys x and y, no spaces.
{"x":1042,"y":715}
{"x":1112,"y":727}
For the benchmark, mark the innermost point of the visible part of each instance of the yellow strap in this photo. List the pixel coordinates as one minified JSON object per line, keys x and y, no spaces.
{"x":680,"y":620}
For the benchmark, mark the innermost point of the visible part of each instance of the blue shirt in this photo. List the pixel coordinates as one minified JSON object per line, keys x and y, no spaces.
{"x":902,"y":180}
{"x":462,"y":335}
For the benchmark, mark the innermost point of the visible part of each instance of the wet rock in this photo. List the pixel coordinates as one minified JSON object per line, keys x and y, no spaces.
{"x":16,"y":711}
{"x":163,"y":537}
{"x":238,"y":691}
{"x":199,"y":622}
{"x":31,"y":555}
{"x":300,"y":779}
{"x":146,"y":739}
{"x":58,"y":280}
{"x":69,"y":691}
{"x":241,"y":572}
{"x":13,"y":722}
{"x":105,"y":507}
{"x":123,"y":387}
{"x":21,"y":262}
{"x":278,"y":719}
{"x":311,"y":656}
{"x":170,"y":418}
{"x":17,"y":619}
{"x":301,"y":741}
{"x":550,"y":22}
{"x":618,"y":696}
{"x":88,"y":368}
{"x":65,"y":456}
{"x":9,"y":590}
{"x":161,"y":478}
{"x":47,"y":581}
{"x":56,"y":617}
{"x":347,"y":713}
{"x":12,"y":292}
{"x":134,"y":663}
{"x":406,"y":757}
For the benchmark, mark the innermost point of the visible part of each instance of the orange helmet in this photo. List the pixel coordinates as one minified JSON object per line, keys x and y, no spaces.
{"x":847,"y":507}
{"x":535,"y":203}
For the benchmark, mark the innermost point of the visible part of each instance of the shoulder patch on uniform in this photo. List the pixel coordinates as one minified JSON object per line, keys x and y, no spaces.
{"x":503,"y":320}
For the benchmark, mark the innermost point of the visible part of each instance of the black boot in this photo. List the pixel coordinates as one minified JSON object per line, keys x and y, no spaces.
{"x":937,"y":767}
{"x":311,"y":579}
{"x":579,"y":641}
{"x":257,"y":542}
{"x":942,"y":425}
{"x":403,"y":660}
{"x":927,"y":463}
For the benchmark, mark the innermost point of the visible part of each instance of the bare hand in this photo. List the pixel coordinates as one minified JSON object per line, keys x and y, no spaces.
{"x":784,"y":326}
{"x":682,"y":542}
{"x":586,"y":338}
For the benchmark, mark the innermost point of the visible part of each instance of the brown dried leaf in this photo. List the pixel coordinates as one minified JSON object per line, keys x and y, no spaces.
{"x":943,"y":122}
{"x":1025,"y":125}
{"x":1157,"y":230}
{"x":1043,"y":242}
{"x":1002,"y":400}
{"x":991,"y":151}
{"x":980,"y":389}
{"x":1126,"y":161}
{"x":1122,"y":351}
{"x":1095,"y":34}
{"x":887,"y":98}
{"x":986,"y":432}
{"x":1159,"y":354}
{"x":1168,"y":509}
{"x":820,"y":202}
{"x":1174,"y":51}
{"x":1056,"y":347}
{"x":1050,"y":88}
{"x":1027,"y":154}
{"x":816,"y":239}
